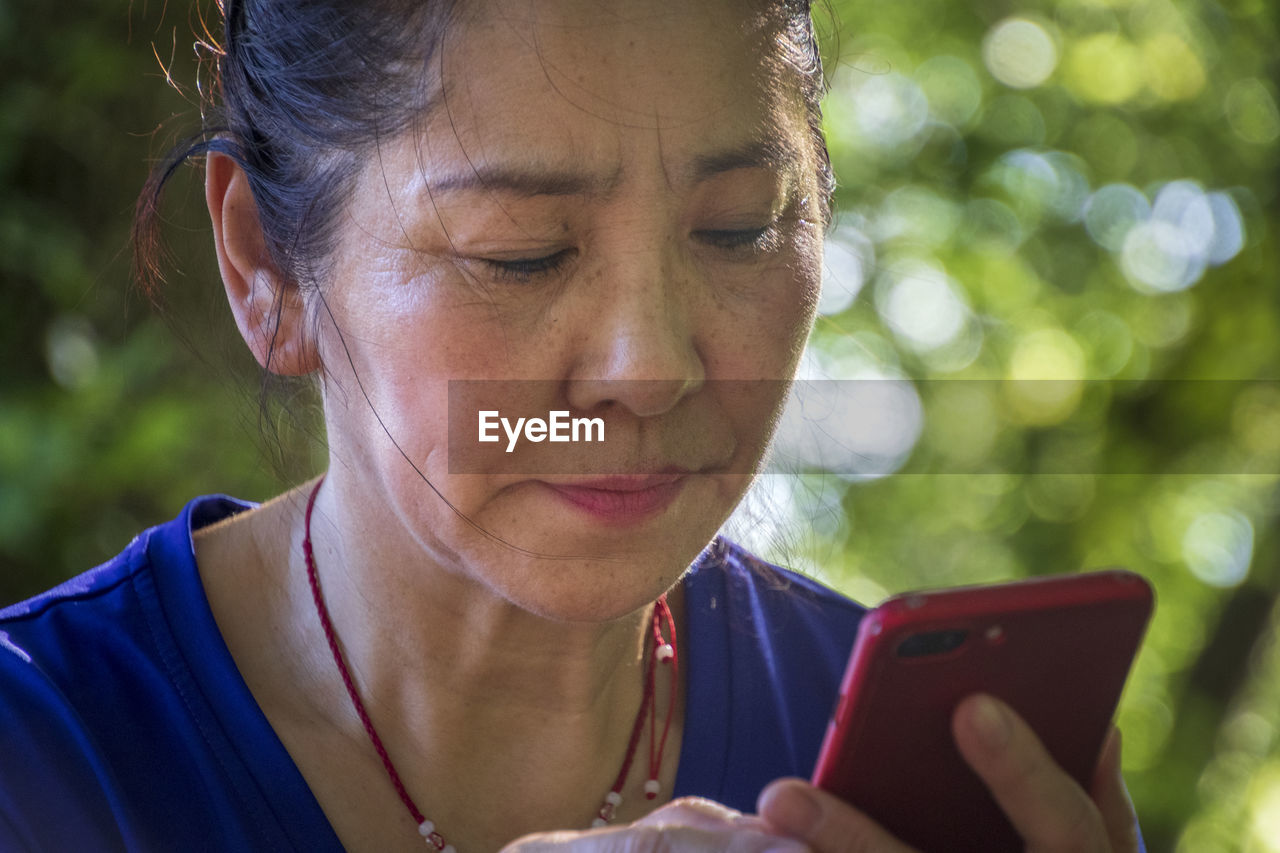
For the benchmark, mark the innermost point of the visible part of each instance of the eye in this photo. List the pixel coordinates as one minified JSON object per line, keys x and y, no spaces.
{"x":527,"y":269}
{"x":742,"y":240}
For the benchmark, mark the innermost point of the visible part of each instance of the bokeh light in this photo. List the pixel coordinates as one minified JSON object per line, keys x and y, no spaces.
{"x":1045,"y":373}
{"x":888,"y":110}
{"x":1251,"y":111}
{"x":918,"y":215}
{"x":1264,"y":803}
{"x":952,"y":88}
{"x":70,"y":352}
{"x":1113,"y":211}
{"x":962,"y":420}
{"x":921,"y":304}
{"x":1156,"y":254}
{"x":1042,"y":182}
{"x":1188,"y":230}
{"x":1218,"y":547}
{"x":1108,"y":342}
{"x":1104,"y":68}
{"x":1019,"y":53}
{"x":858,"y":428}
{"x":1168,"y":244}
{"x":1174,"y":71}
{"x":848,"y":256}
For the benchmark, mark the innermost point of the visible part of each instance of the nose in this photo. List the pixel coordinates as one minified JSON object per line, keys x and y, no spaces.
{"x":639,"y":345}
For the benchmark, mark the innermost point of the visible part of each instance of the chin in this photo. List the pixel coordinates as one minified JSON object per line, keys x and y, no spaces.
{"x":592,"y":591}
{"x":562,"y":561}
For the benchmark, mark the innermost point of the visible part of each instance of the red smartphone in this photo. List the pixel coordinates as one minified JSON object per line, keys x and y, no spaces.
{"x":1056,"y":649}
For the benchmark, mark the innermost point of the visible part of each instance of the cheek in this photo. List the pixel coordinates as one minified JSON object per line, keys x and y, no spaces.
{"x":388,"y":353}
{"x":401,"y":324}
{"x":797,"y":304}
{"x":806,"y":265}
{"x":761,"y":329}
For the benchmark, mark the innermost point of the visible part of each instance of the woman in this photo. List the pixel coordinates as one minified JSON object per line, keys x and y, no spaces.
{"x":616,"y":208}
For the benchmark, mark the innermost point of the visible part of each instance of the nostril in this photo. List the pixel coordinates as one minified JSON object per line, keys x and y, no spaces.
{"x":640,"y":397}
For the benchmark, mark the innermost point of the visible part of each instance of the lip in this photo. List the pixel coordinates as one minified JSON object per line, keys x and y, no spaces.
{"x":622,"y":499}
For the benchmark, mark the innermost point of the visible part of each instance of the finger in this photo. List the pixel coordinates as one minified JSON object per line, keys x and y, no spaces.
{"x":1112,"y":799}
{"x":1045,"y":805}
{"x":826,"y":823}
{"x":691,"y":811}
{"x":637,"y":838}
{"x":731,"y":829}
{"x":565,"y":841}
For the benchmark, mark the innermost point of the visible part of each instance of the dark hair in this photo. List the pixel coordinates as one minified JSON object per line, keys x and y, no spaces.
{"x":299,"y":88}
{"x":302,"y":87}
{"x":805,"y":57}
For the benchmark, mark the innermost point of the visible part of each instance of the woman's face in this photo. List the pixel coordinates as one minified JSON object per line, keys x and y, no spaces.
{"x":616,"y":204}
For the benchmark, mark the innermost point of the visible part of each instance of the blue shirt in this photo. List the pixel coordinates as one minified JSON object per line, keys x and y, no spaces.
{"x":125,"y":725}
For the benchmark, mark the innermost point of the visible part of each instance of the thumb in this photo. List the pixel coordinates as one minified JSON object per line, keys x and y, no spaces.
{"x":796,"y":809}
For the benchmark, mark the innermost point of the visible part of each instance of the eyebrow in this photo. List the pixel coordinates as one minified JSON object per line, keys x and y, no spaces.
{"x":525,"y":182}
{"x":535,"y":181}
{"x":774,"y":154}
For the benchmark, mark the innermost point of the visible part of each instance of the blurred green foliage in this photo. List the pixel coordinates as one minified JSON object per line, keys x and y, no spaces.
{"x":1079,"y":190}
{"x":108,"y":419}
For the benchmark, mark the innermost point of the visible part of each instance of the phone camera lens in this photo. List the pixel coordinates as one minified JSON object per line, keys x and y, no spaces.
{"x":932,"y":643}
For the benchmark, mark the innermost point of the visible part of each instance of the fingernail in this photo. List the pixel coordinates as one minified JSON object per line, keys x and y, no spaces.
{"x":1111,"y":749}
{"x":789,"y":808}
{"x":990,"y":722}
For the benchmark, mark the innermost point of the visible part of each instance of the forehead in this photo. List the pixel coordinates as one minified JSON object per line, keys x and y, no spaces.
{"x":603,"y":82}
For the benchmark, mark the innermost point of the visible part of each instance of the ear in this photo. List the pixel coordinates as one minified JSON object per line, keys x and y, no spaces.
{"x":268,"y":308}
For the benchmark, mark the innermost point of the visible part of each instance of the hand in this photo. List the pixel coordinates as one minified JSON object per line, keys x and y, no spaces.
{"x":687,"y":825}
{"x":1051,"y":812}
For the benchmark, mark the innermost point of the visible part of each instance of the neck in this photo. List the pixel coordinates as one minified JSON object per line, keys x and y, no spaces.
{"x":512,"y":707}
{"x":406,"y":622}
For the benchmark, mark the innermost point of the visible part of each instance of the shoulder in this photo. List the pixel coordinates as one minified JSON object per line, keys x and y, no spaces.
{"x":110,"y":609}
{"x":778,"y":606}
{"x":58,"y":633}
{"x":765,"y":655}
{"x":90,"y":680}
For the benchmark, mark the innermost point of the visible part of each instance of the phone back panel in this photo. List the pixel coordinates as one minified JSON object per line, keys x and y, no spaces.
{"x":1057,"y":650}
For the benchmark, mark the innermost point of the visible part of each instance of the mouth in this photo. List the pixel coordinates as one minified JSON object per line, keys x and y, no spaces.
{"x":622,"y":498}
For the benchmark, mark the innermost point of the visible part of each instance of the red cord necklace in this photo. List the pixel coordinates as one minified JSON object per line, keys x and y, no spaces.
{"x":663,"y":652}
